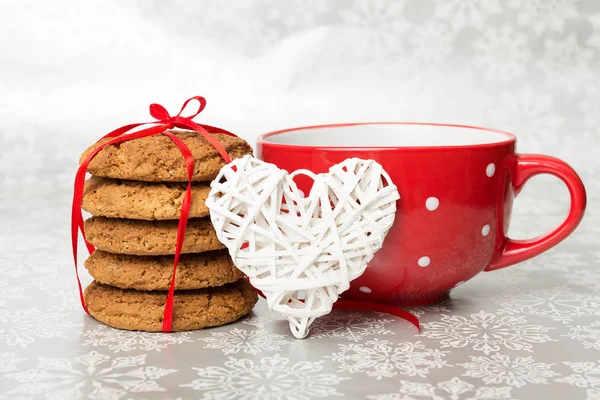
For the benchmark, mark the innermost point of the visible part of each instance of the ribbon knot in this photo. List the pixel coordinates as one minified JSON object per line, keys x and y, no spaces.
{"x":163,"y":117}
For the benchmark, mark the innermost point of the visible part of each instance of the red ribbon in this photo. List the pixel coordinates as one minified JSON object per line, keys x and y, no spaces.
{"x":163,"y":122}
{"x":385,"y":308}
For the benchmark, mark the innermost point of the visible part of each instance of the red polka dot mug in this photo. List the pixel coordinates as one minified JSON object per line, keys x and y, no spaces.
{"x":457,"y":184}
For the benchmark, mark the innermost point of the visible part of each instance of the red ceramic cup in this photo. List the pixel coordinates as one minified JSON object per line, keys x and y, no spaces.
{"x":457,"y":184}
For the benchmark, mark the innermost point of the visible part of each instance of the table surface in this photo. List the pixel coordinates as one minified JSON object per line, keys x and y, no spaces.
{"x":72,"y":71}
{"x":532,"y":331}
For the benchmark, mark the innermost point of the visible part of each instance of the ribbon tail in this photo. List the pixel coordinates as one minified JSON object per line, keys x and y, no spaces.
{"x":385,"y":308}
{"x":90,"y":247}
{"x":167,"y":325}
{"x":76,"y":224}
{"x":185,"y":208}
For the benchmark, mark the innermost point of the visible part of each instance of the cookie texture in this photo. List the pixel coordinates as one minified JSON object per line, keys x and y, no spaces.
{"x":115,"y":198}
{"x":194,"y":271}
{"x":192,"y":309}
{"x":130,"y":236}
{"x":157,"y":159}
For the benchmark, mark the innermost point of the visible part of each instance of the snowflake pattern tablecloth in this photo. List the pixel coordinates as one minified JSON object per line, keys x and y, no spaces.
{"x":531,"y":331}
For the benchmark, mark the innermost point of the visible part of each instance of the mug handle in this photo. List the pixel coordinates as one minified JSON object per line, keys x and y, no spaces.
{"x":529,"y":165}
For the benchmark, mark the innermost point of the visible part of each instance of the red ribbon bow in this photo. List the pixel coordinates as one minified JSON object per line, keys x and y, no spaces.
{"x":163,"y":122}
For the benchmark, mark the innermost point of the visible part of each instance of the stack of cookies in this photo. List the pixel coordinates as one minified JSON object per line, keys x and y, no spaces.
{"x":135,"y":196}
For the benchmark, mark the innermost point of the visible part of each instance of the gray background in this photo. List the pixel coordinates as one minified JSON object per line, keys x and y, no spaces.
{"x":72,"y":71}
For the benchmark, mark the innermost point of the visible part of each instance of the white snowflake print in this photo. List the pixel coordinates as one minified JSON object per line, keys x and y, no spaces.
{"x":557,"y":260}
{"x":255,"y":320}
{"x":559,"y":304}
{"x":463,"y":13}
{"x":501,"y":369}
{"x":352,"y":326}
{"x":54,"y":284}
{"x":431,"y":43}
{"x":453,"y":389}
{"x":272,"y":378}
{"x":245,"y":341}
{"x":92,"y":375}
{"x":118,"y":340}
{"x":588,"y":335}
{"x":237,"y":24}
{"x":538,"y":208}
{"x":375,"y":28}
{"x":587,"y":375}
{"x":10,"y":292}
{"x":17,"y":264}
{"x":294,"y":14}
{"x":544,"y":15}
{"x":588,"y":278}
{"x":22,"y":327}
{"x":506,"y":276}
{"x":502,"y":53}
{"x":69,"y":300}
{"x":486,"y":333}
{"x":421,"y":311}
{"x":162,"y":398}
{"x":591,"y":162}
{"x":8,"y":362}
{"x":589,"y":233}
{"x":529,"y":112}
{"x":565,"y":63}
{"x":384,"y":359}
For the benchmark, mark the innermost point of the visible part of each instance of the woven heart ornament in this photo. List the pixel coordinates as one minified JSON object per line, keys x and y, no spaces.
{"x":302,"y":252}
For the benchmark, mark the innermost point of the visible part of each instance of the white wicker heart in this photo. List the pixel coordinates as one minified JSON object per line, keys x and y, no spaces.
{"x":302,"y":252}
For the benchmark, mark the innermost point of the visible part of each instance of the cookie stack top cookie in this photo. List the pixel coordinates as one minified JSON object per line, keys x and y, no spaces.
{"x":157,"y":158}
